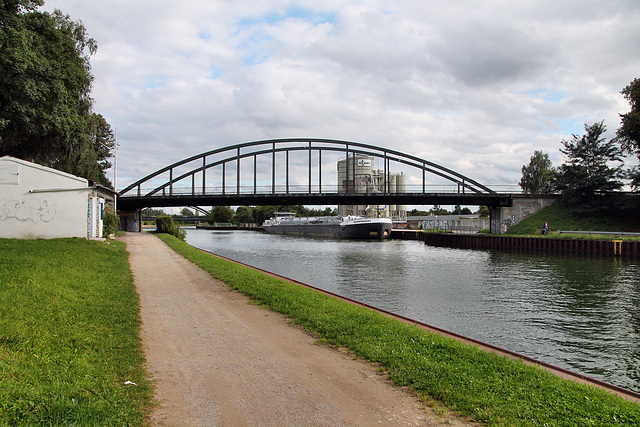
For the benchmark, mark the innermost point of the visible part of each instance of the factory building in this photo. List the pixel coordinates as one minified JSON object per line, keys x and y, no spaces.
{"x":357,"y":174}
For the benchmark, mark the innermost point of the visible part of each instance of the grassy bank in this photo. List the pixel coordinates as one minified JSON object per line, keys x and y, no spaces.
{"x":69,"y":335}
{"x":562,"y":218}
{"x":489,"y":388}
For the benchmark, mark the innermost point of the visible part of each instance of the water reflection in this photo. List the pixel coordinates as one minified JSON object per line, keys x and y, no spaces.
{"x":362,"y":272}
{"x":581,"y":313}
{"x":570,"y":311}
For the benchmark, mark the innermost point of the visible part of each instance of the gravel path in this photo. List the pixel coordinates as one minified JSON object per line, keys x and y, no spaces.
{"x":220,"y":361}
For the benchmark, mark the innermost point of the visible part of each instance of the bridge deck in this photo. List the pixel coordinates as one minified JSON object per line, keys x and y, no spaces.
{"x":130,"y":203}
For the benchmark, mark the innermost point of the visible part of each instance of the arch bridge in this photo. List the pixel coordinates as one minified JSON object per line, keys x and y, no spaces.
{"x":295,"y":171}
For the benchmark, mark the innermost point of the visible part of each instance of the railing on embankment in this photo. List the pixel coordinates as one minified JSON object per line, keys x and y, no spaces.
{"x":578,"y":246}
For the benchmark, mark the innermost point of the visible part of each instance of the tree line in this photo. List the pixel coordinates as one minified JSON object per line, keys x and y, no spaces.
{"x":594,"y":166}
{"x":258,"y":214}
{"x":46,"y":109}
{"x":247,"y":214}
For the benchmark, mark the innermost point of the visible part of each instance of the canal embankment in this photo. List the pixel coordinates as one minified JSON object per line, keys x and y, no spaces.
{"x":605,"y":247}
{"x":573,"y":311}
{"x":217,"y":359}
{"x":490,"y":388}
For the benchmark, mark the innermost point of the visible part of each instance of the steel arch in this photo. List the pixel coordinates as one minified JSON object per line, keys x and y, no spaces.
{"x":274,"y":146}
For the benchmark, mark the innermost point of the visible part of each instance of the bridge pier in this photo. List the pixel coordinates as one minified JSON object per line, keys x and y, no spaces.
{"x":131,"y":220}
{"x":495,"y":221}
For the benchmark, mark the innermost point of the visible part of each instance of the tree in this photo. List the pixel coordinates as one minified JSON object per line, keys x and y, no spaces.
{"x":438,"y":210}
{"x":321,"y":212}
{"x":103,"y":140}
{"x":587,"y":169}
{"x":148,"y":212}
{"x":484,"y":211}
{"x":187,"y":212}
{"x":262,"y":213}
{"x":220,"y":214}
{"x":45,"y":85}
{"x":629,"y":133}
{"x":244,"y":214}
{"x":416,"y":212}
{"x":538,"y":174}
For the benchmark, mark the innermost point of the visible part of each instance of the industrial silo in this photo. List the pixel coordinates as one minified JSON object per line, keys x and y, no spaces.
{"x":401,"y":187}
{"x":354,"y":176}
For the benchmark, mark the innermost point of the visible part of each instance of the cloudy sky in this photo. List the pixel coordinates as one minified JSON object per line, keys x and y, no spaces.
{"x":475,"y":86}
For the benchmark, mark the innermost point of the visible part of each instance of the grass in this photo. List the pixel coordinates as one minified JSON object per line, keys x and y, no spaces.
{"x":490,"y":389}
{"x":562,"y":218}
{"x":69,"y":335}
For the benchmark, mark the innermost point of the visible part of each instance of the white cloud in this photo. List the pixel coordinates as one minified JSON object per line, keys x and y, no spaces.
{"x":476,"y":87}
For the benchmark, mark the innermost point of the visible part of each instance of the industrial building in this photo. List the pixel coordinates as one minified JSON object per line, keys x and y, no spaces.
{"x":357,"y":174}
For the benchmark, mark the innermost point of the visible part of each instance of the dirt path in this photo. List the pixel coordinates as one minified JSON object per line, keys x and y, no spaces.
{"x":220,"y":361}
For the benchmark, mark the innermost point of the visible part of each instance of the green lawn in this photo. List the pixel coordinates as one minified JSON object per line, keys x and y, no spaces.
{"x":562,"y":218}
{"x":69,"y":335}
{"x":491,"y":389}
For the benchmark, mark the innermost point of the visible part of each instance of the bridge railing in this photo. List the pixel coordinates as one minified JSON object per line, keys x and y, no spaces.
{"x":298,"y":189}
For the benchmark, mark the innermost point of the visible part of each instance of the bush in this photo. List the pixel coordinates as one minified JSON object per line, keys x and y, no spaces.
{"x":110,"y":223}
{"x":165,"y":224}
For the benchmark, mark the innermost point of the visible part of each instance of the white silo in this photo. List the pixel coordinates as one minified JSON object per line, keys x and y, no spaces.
{"x":354,"y":176}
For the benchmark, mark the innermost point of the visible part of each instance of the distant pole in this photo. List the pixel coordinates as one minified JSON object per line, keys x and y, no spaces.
{"x":115,"y":173}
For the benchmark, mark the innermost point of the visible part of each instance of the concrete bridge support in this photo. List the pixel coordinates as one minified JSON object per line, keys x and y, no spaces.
{"x":130,"y":220}
{"x":524,"y":205}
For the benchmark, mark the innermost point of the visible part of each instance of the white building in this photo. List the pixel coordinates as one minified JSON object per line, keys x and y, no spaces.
{"x":37,"y":202}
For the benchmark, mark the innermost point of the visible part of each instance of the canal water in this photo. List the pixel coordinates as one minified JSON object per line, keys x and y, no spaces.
{"x":581,"y":313}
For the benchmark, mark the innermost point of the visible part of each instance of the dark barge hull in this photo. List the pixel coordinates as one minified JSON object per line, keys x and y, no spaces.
{"x":376,"y":231}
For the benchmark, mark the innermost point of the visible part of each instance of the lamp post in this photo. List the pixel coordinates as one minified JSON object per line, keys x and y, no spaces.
{"x":115,"y":173}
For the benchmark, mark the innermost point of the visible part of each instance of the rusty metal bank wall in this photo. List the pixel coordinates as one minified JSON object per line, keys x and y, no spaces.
{"x":577,"y":246}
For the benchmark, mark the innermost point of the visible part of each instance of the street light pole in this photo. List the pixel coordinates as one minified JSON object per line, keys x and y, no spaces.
{"x":115,"y":173}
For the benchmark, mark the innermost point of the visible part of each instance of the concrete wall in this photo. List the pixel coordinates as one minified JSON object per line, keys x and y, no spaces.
{"x":461,"y":223}
{"x":40,"y":202}
{"x":524,"y":205}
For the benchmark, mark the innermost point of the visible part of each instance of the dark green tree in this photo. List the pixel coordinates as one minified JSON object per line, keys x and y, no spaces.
{"x":45,"y":85}
{"x":244,"y":214}
{"x":148,"y":212}
{"x":484,"y":211}
{"x":220,"y":214}
{"x":262,"y":213}
{"x":321,"y":212}
{"x":103,"y":140}
{"x":629,"y":133}
{"x":416,"y":212}
{"x":538,"y":174}
{"x":437,"y":210}
{"x":588,"y":170}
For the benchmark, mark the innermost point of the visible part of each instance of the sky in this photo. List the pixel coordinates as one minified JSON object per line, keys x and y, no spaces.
{"x":475,"y":86}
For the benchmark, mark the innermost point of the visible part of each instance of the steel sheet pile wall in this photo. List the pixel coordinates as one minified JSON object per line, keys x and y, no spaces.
{"x":587,"y":246}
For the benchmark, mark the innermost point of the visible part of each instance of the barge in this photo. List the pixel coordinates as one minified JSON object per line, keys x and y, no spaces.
{"x":340,"y":227}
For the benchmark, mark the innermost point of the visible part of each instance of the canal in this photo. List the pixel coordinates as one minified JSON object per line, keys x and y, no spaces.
{"x":581,"y":313}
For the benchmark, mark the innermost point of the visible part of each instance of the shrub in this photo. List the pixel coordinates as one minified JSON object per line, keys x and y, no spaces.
{"x":110,"y":223}
{"x":165,"y":224}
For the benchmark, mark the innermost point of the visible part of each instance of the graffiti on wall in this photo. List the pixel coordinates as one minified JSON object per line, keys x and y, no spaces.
{"x":522,"y":212}
{"x":34,"y":210}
